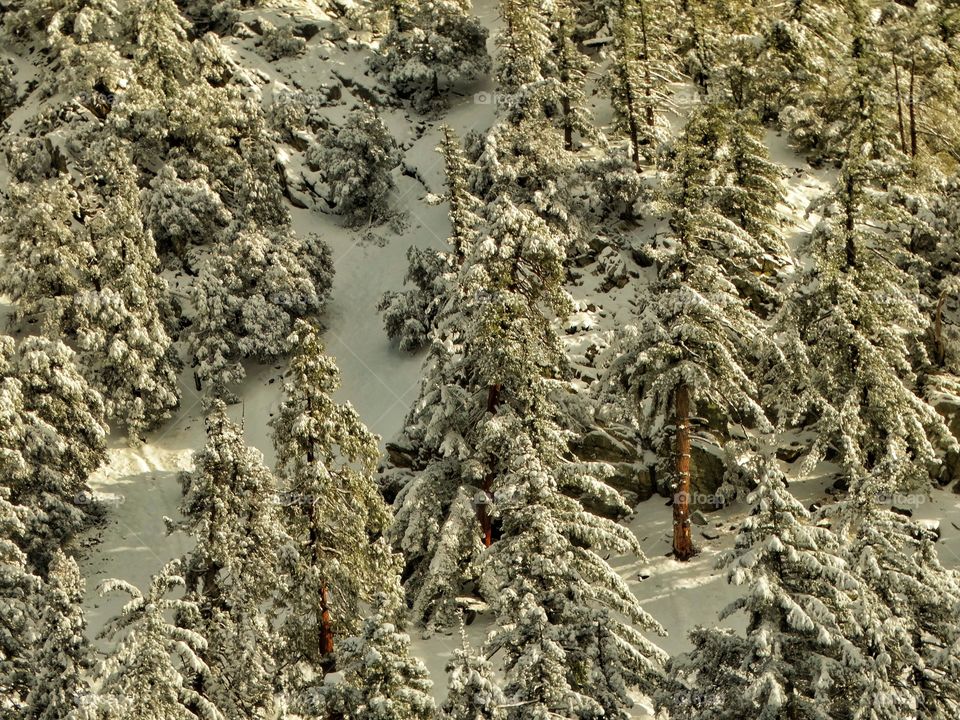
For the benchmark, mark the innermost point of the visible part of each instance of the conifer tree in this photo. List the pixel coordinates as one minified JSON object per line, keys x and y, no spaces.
{"x":230,"y":507}
{"x":249,"y":291}
{"x":355,"y":161}
{"x":120,"y":314}
{"x":380,"y":680}
{"x":641,"y":67}
{"x":696,"y":337}
{"x":54,"y":438}
{"x":18,"y":620}
{"x":896,"y":557}
{"x":334,"y":513}
{"x":848,"y":332}
{"x":570,"y":70}
{"x":412,"y":316}
{"x":560,"y":605}
{"x":525,"y":47}
{"x":430,"y":48}
{"x":472,"y":691}
{"x":63,"y":655}
{"x":149,"y":674}
{"x":796,"y":657}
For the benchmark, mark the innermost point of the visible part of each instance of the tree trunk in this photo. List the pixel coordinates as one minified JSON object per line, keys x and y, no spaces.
{"x":682,"y":540}
{"x":567,"y":124}
{"x":913,"y":112}
{"x":941,"y":347}
{"x":326,"y":624}
{"x":903,"y":134}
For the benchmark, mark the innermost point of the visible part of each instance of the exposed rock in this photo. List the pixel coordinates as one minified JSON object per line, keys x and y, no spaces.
{"x":698,"y":518}
{"x":600,"y":446}
{"x":399,"y":456}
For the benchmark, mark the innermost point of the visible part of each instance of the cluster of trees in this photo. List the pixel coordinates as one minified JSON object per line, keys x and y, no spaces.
{"x":293,"y":599}
{"x":851,"y":343}
{"x":149,"y":155}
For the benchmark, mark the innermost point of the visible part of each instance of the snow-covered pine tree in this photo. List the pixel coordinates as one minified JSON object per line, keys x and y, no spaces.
{"x":570,"y":67}
{"x":796,"y":68}
{"x":41,"y":252}
{"x":571,"y":629}
{"x":355,"y":162}
{"x":18,"y":589}
{"x":249,"y":291}
{"x":919,"y":39}
{"x":524,"y":51}
{"x":641,"y":66}
{"x":411,"y":316}
{"x":119,"y":315}
{"x":473,"y":693}
{"x":896,"y":558}
{"x":230,"y":507}
{"x":696,"y":336}
{"x":333,"y":512}
{"x":151,"y":673}
{"x":848,"y":332}
{"x":63,"y":655}
{"x":795,"y":659}
{"x":182,"y":210}
{"x":431,"y":47}
{"x":476,"y":352}
{"x":377,"y":678}
{"x":55,"y":437}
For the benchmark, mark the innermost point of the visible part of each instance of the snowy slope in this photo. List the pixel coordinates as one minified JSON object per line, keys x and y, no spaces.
{"x":140,"y":485}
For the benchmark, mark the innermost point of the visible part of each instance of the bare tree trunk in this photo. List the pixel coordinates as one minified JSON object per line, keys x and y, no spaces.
{"x":913,"y":111}
{"x":896,"y":78}
{"x":682,"y":540}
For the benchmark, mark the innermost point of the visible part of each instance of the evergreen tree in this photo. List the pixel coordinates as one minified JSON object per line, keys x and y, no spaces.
{"x":41,"y":254}
{"x":18,"y":621}
{"x":525,"y":48}
{"x":120,"y":323}
{"x":355,"y":161}
{"x":472,"y":691}
{"x":412,"y":316}
{"x":380,"y":679}
{"x":897,"y":559}
{"x":641,"y":67}
{"x":795,"y":659}
{"x":334,"y":513}
{"x":148,"y":675}
{"x":249,"y":291}
{"x":230,"y":507}
{"x":848,"y":334}
{"x":432,"y":47}
{"x":560,"y":605}
{"x":63,"y":653}
{"x":696,"y":337}
{"x":55,"y":437}
{"x":571,"y":67}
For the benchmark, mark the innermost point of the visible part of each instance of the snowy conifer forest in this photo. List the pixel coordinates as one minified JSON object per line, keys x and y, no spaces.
{"x":420,"y":360}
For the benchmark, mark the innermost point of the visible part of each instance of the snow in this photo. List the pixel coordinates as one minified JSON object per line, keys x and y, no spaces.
{"x":140,"y":485}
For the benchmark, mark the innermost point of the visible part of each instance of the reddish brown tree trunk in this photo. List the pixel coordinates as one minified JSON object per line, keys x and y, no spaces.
{"x":326,"y":623}
{"x":682,"y":540}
